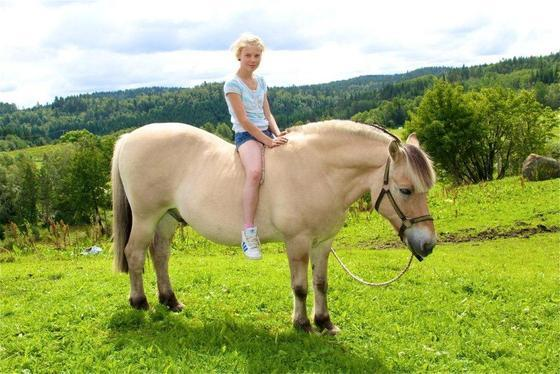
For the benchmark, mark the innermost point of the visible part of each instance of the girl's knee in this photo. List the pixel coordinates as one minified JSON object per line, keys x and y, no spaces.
{"x":253,"y":175}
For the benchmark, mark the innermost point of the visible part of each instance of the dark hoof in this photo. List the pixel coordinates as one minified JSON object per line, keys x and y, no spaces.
{"x":324,"y":324}
{"x":140,"y":303}
{"x":304,"y":326}
{"x":171,"y":302}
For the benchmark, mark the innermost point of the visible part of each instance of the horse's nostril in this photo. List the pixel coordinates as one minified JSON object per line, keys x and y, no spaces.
{"x":428,"y":247}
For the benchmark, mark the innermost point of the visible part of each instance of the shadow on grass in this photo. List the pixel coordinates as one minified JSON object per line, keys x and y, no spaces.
{"x":178,"y":337}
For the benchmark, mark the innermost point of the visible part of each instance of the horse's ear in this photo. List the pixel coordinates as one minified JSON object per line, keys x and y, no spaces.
{"x":413,"y":140}
{"x":395,"y":150}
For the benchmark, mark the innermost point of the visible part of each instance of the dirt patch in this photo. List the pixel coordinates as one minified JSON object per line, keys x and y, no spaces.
{"x":495,"y":233}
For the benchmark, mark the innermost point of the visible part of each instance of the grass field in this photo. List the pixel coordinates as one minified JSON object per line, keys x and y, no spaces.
{"x":478,"y":304}
{"x":483,"y":306}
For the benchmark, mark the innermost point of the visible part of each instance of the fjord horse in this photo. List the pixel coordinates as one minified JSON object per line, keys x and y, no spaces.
{"x":164,"y":171}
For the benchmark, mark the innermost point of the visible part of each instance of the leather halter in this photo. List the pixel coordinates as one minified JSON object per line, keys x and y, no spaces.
{"x":406,"y":222}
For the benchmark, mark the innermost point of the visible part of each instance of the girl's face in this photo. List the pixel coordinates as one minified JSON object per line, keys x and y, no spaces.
{"x":250,"y":58}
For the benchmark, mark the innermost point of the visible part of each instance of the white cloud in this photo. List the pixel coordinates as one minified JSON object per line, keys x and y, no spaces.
{"x":65,"y":47}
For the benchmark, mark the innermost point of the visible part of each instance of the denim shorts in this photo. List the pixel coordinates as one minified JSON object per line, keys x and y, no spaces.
{"x":242,"y":137}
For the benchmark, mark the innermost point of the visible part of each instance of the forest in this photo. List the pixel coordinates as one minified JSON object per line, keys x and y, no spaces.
{"x":382,"y":99}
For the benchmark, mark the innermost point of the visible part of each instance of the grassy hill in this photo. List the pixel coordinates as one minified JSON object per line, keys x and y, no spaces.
{"x":36,"y":153}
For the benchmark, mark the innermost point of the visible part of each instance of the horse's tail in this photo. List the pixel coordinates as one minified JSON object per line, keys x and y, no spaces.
{"x":122,"y":214}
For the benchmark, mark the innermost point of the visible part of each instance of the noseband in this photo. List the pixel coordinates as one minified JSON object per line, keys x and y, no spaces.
{"x":406,"y":222}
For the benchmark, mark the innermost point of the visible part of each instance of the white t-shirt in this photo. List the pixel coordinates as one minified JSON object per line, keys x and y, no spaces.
{"x":253,"y":102}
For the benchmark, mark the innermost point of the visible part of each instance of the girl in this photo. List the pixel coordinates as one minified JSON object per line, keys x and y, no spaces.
{"x":254,"y":128}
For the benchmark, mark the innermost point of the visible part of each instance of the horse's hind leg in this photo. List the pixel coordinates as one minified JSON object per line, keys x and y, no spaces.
{"x":159,"y":251}
{"x":319,"y":266}
{"x":135,"y":251}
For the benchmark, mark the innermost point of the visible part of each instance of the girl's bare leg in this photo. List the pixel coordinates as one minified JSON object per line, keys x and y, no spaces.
{"x":250,"y":153}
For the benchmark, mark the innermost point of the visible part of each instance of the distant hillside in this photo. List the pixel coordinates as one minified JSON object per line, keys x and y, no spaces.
{"x":107,"y":112}
{"x":378,"y":81}
{"x":135,"y":92}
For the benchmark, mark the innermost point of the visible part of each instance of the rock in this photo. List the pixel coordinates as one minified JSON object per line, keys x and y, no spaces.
{"x":539,"y":168}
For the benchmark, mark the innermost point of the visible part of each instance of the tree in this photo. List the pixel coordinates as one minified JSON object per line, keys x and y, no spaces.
{"x":445,"y":125}
{"x":12,"y":142}
{"x":75,"y":136}
{"x":18,"y":190}
{"x":88,"y":180}
{"x":26,"y":191}
{"x":224,"y":131}
{"x":477,"y":136}
{"x":55,"y":202}
{"x":46,"y":192}
{"x":515,"y":124}
{"x":389,"y":113}
{"x":74,"y":181}
{"x":532,"y":125}
{"x":548,"y":95}
{"x":7,"y":108}
{"x":7,"y":195}
{"x":208,"y":127}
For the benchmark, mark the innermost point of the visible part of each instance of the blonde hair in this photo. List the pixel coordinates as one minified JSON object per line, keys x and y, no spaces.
{"x":245,"y":40}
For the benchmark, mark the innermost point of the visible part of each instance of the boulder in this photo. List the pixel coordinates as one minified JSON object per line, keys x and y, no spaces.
{"x":540,"y":168}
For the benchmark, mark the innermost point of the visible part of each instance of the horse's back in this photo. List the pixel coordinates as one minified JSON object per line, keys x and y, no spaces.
{"x":171,"y":143}
{"x":155,"y":132}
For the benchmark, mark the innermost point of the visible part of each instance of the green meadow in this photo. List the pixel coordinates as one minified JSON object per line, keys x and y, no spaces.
{"x":486,"y":300}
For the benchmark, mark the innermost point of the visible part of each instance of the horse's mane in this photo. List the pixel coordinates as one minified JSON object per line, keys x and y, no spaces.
{"x":419,"y":163}
{"x":345,"y":128}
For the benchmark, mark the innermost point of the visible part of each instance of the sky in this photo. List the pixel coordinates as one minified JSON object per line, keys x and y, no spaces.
{"x":70,"y":47}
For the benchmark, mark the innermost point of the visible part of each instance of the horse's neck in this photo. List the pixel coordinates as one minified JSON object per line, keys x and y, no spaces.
{"x":352,"y":163}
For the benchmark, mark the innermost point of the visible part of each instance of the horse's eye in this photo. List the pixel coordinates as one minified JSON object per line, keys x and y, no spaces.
{"x":405,"y":191}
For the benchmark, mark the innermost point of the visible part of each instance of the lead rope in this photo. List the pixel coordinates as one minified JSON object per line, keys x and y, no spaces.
{"x":371,"y":284}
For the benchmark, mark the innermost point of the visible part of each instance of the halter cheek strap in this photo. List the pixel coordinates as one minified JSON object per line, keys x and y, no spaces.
{"x":406,"y":222}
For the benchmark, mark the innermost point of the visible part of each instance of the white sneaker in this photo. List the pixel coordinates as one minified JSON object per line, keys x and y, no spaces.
{"x":250,"y":244}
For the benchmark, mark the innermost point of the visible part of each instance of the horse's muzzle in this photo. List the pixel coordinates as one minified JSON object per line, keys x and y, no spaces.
{"x":420,"y":242}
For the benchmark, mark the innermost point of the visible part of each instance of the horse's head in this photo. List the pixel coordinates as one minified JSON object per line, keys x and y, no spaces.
{"x":407,"y":177}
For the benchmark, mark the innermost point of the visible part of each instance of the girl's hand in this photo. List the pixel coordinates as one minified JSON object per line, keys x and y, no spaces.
{"x":277,"y":141}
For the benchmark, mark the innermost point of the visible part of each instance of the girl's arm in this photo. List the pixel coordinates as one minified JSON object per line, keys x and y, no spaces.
{"x":270,"y":118}
{"x":239,"y":110}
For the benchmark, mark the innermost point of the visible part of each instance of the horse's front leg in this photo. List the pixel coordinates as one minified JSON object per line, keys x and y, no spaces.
{"x":298,"y":256}
{"x":319,"y":266}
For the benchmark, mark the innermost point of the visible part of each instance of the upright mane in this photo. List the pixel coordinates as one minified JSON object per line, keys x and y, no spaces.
{"x":420,"y":166}
{"x":419,"y":163}
{"x":342,"y":128}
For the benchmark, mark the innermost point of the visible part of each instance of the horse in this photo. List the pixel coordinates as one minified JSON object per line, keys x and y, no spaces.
{"x":163,"y":173}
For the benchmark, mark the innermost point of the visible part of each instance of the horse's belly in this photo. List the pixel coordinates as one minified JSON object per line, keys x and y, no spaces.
{"x":215,"y":232}
{"x":222,"y":222}
{"x":208,"y":222}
